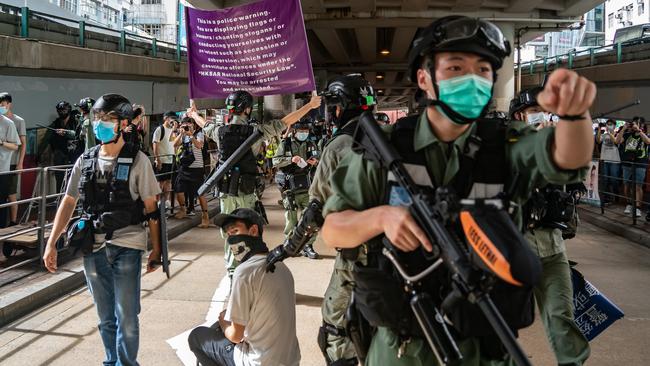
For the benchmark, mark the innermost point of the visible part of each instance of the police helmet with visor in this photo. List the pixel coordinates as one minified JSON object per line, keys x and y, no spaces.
{"x":352,"y":94}
{"x":237,"y":102}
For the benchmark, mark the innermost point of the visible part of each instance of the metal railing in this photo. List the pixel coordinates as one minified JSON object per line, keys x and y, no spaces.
{"x":81,"y":30}
{"x":615,"y":178}
{"x":42,"y":200}
{"x":568,"y":60}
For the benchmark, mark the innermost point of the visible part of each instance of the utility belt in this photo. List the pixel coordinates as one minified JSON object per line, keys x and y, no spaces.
{"x":235,"y":182}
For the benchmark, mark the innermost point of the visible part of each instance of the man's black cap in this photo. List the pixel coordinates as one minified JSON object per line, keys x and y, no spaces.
{"x":244,"y":214}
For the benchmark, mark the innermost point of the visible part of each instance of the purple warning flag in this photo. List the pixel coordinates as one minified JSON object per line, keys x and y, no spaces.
{"x":259,"y":47}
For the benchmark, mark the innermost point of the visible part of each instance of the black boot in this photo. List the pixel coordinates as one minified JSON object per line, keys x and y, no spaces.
{"x":309,"y":252}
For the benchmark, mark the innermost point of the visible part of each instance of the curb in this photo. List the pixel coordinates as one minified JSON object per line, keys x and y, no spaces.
{"x":73,"y":279}
{"x":628,"y":232}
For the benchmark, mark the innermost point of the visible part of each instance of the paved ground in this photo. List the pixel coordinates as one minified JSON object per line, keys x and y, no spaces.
{"x":65,"y":332}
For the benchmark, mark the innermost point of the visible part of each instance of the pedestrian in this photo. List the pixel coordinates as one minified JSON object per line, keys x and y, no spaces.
{"x":117,"y":189}
{"x":134,"y":130}
{"x":611,"y":161}
{"x":297,"y":158}
{"x":191,"y":172}
{"x":9,"y":144}
{"x":634,"y":160}
{"x":546,"y":215}
{"x":258,"y":327}
{"x":454,"y":62}
{"x":241,"y":194}
{"x":163,"y":152}
{"x":18,"y":157}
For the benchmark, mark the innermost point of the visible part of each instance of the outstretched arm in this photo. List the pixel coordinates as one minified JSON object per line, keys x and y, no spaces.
{"x":295,"y":116}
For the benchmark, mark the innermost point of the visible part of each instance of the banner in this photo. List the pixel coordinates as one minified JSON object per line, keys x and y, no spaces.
{"x":259,"y":47}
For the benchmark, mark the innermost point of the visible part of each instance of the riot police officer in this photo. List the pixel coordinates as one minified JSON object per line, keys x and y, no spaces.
{"x":346,"y":98}
{"x":237,"y":189}
{"x":62,"y":138}
{"x":86,"y":135}
{"x":548,"y":216}
{"x":116,"y":186}
{"x":454,"y":61}
{"x":297,"y":158}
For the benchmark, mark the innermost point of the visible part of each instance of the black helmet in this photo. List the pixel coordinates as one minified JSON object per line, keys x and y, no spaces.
{"x":526,"y":98}
{"x":238,"y":101}
{"x":85,"y":104}
{"x":305,"y":123}
{"x":457,"y":33}
{"x":63,"y":109}
{"x":351,"y":92}
{"x":115,"y":104}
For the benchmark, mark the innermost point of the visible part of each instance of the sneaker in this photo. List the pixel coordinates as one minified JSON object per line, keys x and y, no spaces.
{"x":647,"y":216}
{"x":628,"y":210}
{"x":638,"y":213}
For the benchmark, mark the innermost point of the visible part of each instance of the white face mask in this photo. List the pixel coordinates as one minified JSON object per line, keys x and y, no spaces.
{"x":302,"y":136}
{"x":535,"y":118}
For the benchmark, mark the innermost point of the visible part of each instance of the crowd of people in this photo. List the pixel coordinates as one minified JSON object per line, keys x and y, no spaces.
{"x":356,"y":202}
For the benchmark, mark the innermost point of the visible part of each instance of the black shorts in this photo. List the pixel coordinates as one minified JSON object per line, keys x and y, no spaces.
{"x":12,"y":182}
{"x":189,"y":180}
{"x":164,"y":173}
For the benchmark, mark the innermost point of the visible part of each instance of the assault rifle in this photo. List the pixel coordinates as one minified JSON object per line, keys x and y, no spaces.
{"x":434,"y":214}
{"x":227,"y":165}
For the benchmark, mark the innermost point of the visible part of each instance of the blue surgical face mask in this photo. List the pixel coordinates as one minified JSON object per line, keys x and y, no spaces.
{"x":535,"y":118}
{"x":302,"y":136}
{"x":105,"y":131}
{"x":467,"y":95}
{"x":334,"y":130}
{"x":3,"y":110}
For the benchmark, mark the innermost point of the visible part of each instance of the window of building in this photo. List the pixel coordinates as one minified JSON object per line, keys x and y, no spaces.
{"x":610,"y":20}
{"x":640,"y":7}
{"x":154,"y":30}
{"x":70,"y":5}
{"x":151,"y":2}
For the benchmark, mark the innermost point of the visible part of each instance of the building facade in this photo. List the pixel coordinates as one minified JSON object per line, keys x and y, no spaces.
{"x":158,"y":18}
{"x":625,"y":13}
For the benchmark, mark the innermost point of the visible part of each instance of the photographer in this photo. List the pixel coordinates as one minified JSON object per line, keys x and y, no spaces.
{"x":634,"y":159}
{"x":611,"y":159}
{"x":190,"y":173}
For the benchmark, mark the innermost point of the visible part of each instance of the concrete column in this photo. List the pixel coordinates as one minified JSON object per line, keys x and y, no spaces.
{"x":273,"y":103}
{"x":289,"y":103}
{"x":505,"y":86}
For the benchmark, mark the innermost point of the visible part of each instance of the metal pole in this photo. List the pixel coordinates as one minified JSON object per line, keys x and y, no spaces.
{"x":122,"y":41}
{"x":619,"y":53}
{"x":633,"y":193}
{"x":154,"y":48}
{"x":42,"y":211}
{"x":179,"y":16}
{"x":592,"y":57}
{"x":24,"y":22}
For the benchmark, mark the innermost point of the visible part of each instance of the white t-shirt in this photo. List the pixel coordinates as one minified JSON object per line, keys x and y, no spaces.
{"x":609,"y":150}
{"x":165,"y":147}
{"x":198,"y":153}
{"x":265,"y":303}
{"x":22,"y":131}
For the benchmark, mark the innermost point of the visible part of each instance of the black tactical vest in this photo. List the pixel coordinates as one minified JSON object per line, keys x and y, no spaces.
{"x":241,"y":177}
{"x":288,"y":151}
{"x":480,"y":175}
{"x":106,"y":198}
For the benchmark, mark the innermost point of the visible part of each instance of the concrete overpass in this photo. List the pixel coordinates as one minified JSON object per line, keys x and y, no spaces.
{"x":374,"y":36}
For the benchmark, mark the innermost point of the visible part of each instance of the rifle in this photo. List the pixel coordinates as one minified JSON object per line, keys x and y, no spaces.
{"x":227,"y":165}
{"x":605,"y":114}
{"x":434,"y":213}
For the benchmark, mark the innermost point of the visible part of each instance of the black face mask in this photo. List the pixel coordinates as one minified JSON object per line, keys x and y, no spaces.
{"x":63,"y":113}
{"x":245,"y":246}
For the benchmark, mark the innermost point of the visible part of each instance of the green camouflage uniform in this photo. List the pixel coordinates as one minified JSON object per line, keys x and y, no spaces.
{"x":359,"y":184}
{"x":339,"y":290}
{"x":282,"y":159}
{"x":554,"y":297}
{"x":228,"y":203}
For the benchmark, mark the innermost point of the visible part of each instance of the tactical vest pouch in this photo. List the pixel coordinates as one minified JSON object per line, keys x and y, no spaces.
{"x":247,"y":183}
{"x":350,"y":254}
{"x":299,"y":182}
{"x":80,"y":236}
{"x":381,"y":299}
{"x":233,"y":183}
{"x":560,"y":206}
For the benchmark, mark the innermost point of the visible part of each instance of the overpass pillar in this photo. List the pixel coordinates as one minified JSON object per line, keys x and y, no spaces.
{"x":504,"y":89}
{"x":273,"y":103}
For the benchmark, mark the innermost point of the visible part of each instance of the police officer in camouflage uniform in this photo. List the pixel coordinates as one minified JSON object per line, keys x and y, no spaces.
{"x":346,"y":98}
{"x":454,"y":62}
{"x":229,"y":137}
{"x":544,"y":231}
{"x":297,"y":158}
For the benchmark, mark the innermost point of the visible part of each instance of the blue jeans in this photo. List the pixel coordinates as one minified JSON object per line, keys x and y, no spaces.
{"x":611,"y":179}
{"x":113,"y":277}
